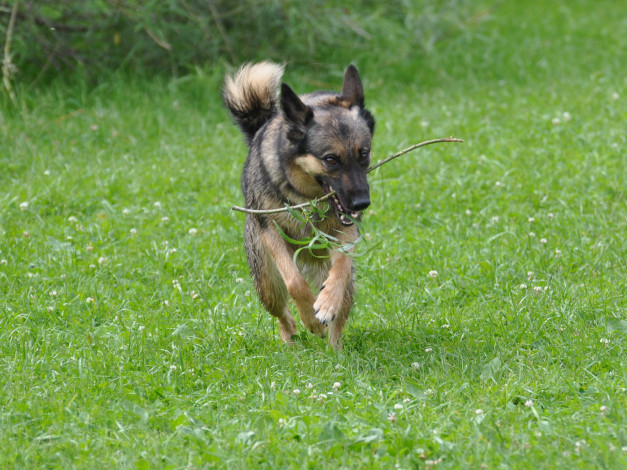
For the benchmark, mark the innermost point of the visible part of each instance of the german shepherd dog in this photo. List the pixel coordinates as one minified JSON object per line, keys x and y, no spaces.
{"x":301,"y":148}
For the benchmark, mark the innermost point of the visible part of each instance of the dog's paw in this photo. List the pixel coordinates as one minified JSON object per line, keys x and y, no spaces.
{"x":327,"y":305}
{"x":318,"y":328}
{"x":287,"y":329}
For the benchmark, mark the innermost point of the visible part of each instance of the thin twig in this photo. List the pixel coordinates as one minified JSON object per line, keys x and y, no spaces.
{"x":409,"y":149}
{"x":7,"y":66}
{"x":327,"y":196}
{"x":284,"y":209}
{"x":221,"y":30}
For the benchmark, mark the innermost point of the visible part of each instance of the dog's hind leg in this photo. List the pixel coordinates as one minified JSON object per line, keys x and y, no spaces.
{"x":293,"y":280}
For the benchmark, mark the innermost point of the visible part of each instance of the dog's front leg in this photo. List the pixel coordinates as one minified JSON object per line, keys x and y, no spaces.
{"x":336,"y":297}
{"x":296,"y":284}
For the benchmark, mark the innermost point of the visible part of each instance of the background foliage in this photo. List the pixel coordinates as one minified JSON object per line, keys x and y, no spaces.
{"x":172,"y":35}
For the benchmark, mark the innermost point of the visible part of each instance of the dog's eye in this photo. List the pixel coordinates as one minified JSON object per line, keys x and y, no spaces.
{"x":364,"y":155}
{"x":331,"y":160}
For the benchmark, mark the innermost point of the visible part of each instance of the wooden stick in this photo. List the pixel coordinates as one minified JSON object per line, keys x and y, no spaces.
{"x":327,"y":196}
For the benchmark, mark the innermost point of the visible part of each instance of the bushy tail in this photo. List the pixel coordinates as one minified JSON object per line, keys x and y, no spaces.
{"x":251,"y":95}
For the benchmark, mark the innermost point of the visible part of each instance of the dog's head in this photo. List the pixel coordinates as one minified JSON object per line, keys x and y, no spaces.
{"x":333,"y":136}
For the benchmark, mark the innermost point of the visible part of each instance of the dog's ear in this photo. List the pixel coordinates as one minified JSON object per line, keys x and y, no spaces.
{"x":352,"y":90}
{"x":294,"y":109}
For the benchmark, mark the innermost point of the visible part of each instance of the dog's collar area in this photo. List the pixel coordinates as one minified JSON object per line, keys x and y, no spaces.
{"x":342,"y":213}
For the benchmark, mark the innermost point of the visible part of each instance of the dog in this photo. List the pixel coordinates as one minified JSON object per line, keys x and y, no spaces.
{"x":302,"y":148}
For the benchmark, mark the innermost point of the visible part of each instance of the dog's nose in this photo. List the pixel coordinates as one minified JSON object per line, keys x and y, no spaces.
{"x":360,"y":203}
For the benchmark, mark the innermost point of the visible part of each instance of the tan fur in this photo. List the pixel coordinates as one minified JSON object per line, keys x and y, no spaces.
{"x":296,"y":284}
{"x":261,"y":80}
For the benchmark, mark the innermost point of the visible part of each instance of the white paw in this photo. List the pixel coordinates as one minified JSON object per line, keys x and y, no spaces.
{"x":327,"y":306}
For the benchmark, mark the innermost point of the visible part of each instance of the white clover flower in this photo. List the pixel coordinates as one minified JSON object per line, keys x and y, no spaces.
{"x":415,"y":365}
{"x":433,"y":274}
{"x":239,"y":280}
{"x":165,"y":219}
{"x":26,"y":234}
{"x":72,"y":219}
{"x":555,"y":121}
{"x":392,"y":417}
{"x":173,"y":367}
{"x":543,"y":241}
{"x":337,"y":385}
{"x":424,"y":123}
{"x":529,"y":403}
{"x":523,"y":286}
{"x":495,"y":219}
{"x":173,"y":250}
{"x":428,"y":350}
{"x":89,"y":300}
{"x":282,"y":422}
{"x":273,"y":385}
{"x":558,"y":252}
{"x":133,"y":231}
{"x":468,"y":212}
{"x":498,"y":184}
{"x":23,"y":205}
{"x":478,"y":411}
{"x":532,"y":234}
{"x":566,"y":116}
{"x":141,"y":328}
{"x":550,"y":215}
{"x":531,"y":220}
{"x":406,"y":400}
{"x":89,"y":248}
{"x":102,"y":260}
{"x":195,"y":295}
{"x":615,"y":96}
{"x":126,"y":211}
{"x":296,"y":391}
{"x":166,"y":303}
{"x":47,"y":172}
{"x":192,"y":231}
{"x":398,"y":406}
{"x":537,"y":289}
{"x":4,"y":262}
{"x":604,"y":409}
{"x":604,"y":341}
{"x":530,"y":275}
{"x":92,"y":266}
{"x":53,"y":293}
{"x":176,"y":283}
{"x":157,"y":205}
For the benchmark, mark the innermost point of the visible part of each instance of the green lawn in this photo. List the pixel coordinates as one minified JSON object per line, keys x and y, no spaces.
{"x":130,"y":333}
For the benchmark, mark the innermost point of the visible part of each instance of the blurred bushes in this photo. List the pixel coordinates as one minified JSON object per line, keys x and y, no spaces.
{"x":172,"y":35}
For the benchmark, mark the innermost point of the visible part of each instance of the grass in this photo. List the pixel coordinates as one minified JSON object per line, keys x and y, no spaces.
{"x":131,"y":337}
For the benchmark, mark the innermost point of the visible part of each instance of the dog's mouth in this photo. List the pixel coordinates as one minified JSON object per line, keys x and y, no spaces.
{"x":345,"y":216}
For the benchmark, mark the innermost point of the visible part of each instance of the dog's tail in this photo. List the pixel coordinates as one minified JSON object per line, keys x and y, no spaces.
{"x":251,"y":95}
